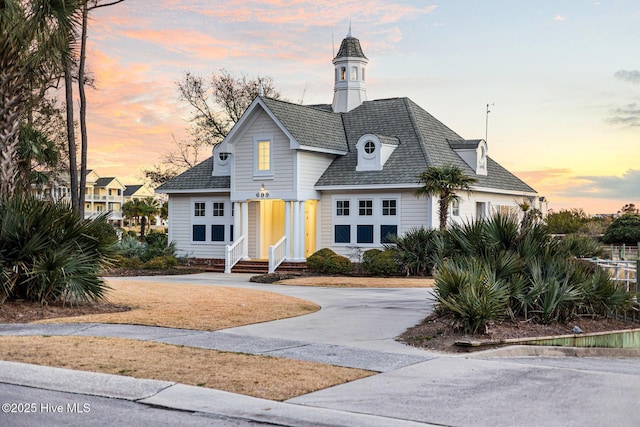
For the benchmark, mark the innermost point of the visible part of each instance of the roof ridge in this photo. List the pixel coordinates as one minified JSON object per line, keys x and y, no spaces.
{"x":412,"y":117}
{"x":312,"y":107}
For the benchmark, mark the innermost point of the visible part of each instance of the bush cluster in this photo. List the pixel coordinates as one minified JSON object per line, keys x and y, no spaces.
{"x":48,"y":253}
{"x":327,"y":261}
{"x":380,"y":263}
{"x":494,"y":269}
{"x":154,"y":253}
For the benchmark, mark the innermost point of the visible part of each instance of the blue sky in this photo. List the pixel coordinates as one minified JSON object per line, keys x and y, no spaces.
{"x":563,"y":77}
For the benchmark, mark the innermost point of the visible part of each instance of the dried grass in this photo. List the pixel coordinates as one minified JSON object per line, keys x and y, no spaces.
{"x":361,"y":282}
{"x":207,"y":308}
{"x":260,"y":376}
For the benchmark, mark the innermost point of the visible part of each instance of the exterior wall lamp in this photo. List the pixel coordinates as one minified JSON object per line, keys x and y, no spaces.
{"x":263,"y":193}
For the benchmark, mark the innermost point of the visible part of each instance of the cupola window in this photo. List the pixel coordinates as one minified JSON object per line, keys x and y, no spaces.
{"x":343,"y":73}
{"x":354,"y":73}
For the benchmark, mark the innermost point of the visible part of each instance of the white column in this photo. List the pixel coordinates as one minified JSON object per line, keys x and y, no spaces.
{"x":245,"y":228}
{"x":296,"y":231}
{"x":287,"y":228}
{"x":237,"y":215}
{"x":302,"y":239}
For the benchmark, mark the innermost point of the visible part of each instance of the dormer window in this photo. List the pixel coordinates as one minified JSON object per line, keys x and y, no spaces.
{"x":369,"y":147}
{"x":221,"y":161}
{"x":223,"y":157}
{"x":374,"y":151}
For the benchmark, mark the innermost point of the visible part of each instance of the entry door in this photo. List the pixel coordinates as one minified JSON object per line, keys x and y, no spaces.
{"x":270,"y":225}
{"x":310,"y":208}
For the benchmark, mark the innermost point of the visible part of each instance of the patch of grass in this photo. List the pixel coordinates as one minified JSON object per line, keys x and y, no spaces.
{"x":265,"y":377}
{"x":207,"y":308}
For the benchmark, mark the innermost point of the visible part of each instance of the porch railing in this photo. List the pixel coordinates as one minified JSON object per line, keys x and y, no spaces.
{"x":277,"y":254}
{"x":234,"y":253}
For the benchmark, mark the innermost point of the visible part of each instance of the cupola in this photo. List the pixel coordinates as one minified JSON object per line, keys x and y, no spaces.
{"x":349,"y":90}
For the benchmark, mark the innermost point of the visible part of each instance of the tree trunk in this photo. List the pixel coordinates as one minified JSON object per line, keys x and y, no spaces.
{"x":443,"y":211}
{"x":143,"y":223}
{"x":83,"y":112}
{"x":71,"y":137}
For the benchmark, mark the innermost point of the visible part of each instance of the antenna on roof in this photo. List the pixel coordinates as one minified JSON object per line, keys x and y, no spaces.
{"x":333,"y":46}
{"x":486,"y":126}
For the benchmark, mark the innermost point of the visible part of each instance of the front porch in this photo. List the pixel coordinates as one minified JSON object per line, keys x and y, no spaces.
{"x":273,"y":231}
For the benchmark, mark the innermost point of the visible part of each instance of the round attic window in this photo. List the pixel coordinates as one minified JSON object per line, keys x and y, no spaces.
{"x":223,"y":156}
{"x":369,"y":147}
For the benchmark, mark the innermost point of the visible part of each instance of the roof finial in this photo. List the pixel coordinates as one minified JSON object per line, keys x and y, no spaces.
{"x":349,"y":35}
{"x":260,"y":88}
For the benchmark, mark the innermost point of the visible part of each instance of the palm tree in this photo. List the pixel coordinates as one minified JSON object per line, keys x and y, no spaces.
{"x":35,"y":40}
{"x":143,"y":209}
{"x":443,"y":182}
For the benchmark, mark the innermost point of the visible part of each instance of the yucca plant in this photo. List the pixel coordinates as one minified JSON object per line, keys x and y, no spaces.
{"x":49,"y":254}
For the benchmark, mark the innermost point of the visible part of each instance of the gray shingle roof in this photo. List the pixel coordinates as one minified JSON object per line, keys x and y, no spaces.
{"x":197,"y":178}
{"x":350,"y":48}
{"x":314,"y":126}
{"x":424,"y":142}
{"x":103,"y":182}
{"x":421,"y":139}
{"x":131,"y":189}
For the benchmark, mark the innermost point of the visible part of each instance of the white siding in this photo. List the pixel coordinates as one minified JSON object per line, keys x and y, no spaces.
{"x":414,"y":212}
{"x":180,"y":229}
{"x":310,"y":167}
{"x":282,"y":159}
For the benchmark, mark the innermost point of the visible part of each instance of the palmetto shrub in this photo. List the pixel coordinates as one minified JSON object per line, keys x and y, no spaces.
{"x":494,"y":269}
{"x":417,"y":251}
{"x":49,"y":254}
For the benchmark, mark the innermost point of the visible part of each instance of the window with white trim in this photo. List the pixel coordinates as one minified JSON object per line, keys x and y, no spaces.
{"x":389,"y":207}
{"x":264,"y":155}
{"x":365,"y":207}
{"x":199,"y":209}
{"x":342,"y":207}
{"x":218,"y":208}
{"x":455,"y":208}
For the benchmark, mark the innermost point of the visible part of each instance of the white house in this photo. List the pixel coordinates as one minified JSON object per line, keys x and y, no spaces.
{"x":290,"y":179}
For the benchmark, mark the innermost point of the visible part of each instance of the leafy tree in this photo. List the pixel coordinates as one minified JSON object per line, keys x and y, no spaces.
{"x":629,"y":208}
{"x":443,"y":182}
{"x":624,"y":229}
{"x":566,"y":221}
{"x":217,"y":104}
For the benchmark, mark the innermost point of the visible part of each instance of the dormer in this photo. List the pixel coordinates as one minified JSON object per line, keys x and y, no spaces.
{"x":221,"y":161}
{"x":374,"y":151}
{"x":473,"y":152}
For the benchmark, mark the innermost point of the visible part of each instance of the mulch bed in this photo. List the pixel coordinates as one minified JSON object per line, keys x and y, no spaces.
{"x":437,"y":333}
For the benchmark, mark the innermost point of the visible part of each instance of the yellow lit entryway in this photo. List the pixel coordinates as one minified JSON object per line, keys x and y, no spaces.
{"x":271,"y":225}
{"x":310,"y":208}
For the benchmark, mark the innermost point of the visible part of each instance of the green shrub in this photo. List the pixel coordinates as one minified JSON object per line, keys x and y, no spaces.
{"x":469,"y":295}
{"x":415,"y":252}
{"x":49,"y":254}
{"x":624,"y":229}
{"x":160,"y":263}
{"x":125,"y":262}
{"x":327,"y":261}
{"x":580,"y":246}
{"x":380,"y":263}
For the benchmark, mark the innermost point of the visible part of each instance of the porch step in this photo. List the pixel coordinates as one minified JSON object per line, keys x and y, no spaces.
{"x":250,"y":266}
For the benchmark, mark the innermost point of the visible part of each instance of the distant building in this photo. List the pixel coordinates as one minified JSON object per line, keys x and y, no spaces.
{"x":100,"y":194}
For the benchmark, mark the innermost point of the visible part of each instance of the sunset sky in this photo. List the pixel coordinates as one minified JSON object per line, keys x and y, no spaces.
{"x":563,"y":77}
